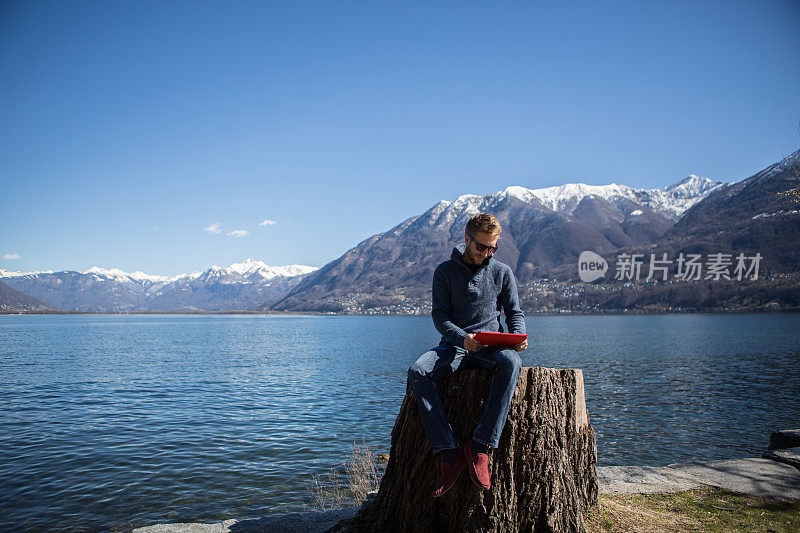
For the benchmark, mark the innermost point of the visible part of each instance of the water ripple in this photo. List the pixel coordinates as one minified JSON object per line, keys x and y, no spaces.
{"x":119,"y":421}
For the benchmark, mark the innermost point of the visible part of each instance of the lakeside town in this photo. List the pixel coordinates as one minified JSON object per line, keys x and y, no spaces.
{"x":773,"y":292}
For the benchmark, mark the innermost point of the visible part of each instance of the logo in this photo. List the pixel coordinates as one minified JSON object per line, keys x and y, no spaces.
{"x":630,"y":267}
{"x":591,"y":266}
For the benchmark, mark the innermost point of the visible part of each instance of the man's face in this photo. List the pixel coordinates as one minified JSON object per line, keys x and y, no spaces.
{"x":471,"y":253}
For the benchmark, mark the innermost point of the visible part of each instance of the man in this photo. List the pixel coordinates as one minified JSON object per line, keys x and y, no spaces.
{"x":469,"y":291}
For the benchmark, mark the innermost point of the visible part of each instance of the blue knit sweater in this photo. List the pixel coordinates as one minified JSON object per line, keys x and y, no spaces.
{"x":464,"y":302}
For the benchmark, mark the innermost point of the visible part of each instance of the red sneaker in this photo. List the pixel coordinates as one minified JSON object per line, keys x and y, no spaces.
{"x":478,"y":467}
{"x":449,"y":474}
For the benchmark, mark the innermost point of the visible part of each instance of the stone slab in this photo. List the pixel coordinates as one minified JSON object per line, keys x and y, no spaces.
{"x":311,"y":522}
{"x":755,"y":476}
{"x":789,"y":456}
{"x":643,"y":479}
{"x":786,"y":438}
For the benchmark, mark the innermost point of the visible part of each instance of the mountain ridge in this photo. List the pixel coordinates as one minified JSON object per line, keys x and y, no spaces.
{"x":240,"y":286}
{"x":13,"y":301}
{"x":543,"y":228}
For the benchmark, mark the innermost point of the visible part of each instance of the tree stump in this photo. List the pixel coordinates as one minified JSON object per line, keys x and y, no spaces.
{"x":544,"y":474}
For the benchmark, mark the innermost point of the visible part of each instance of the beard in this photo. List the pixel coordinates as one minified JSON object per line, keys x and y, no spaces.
{"x":473,"y":259}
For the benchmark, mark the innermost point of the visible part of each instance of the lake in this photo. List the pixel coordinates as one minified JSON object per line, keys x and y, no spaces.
{"x":114,"y":421}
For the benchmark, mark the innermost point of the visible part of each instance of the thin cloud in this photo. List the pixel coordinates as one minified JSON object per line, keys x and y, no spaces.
{"x":9,"y":257}
{"x":238,"y":233}
{"x":214,"y":228}
{"x":267,"y":222}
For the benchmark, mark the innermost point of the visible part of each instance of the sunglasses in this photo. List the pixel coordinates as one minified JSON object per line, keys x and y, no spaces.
{"x":482,"y":247}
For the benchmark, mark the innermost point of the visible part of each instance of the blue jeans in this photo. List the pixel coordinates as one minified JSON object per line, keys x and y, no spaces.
{"x":503,"y":362}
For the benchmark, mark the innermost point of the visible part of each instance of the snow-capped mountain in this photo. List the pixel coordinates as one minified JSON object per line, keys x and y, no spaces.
{"x":542,"y":229}
{"x":760,"y":214}
{"x":670,"y":202}
{"x":124,"y":277}
{"x":237,"y":272}
{"x":12,"y":274}
{"x":239,"y":286}
{"x":249,"y":268}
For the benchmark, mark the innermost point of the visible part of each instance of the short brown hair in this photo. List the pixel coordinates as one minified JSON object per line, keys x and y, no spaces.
{"x":485,"y":223}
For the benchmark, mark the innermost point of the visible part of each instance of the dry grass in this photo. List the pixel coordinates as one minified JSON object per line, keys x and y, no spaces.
{"x":363,"y":473}
{"x":349,"y":486}
{"x":707,"y":510}
{"x":327,"y":491}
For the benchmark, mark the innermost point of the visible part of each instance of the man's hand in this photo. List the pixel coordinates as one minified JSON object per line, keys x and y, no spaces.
{"x":470,"y":344}
{"x":521,"y":347}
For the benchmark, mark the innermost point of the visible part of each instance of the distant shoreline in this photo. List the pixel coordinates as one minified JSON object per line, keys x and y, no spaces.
{"x":317,"y":313}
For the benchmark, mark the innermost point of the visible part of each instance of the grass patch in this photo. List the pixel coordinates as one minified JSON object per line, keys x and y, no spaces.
{"x":706,"y":509}
{"x":349,"y":485}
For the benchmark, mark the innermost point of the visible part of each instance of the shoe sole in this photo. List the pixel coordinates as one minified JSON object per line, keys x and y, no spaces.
{"x":445,"y":491}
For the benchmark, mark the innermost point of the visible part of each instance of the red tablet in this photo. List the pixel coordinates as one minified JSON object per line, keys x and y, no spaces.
{"x":490,"y":338}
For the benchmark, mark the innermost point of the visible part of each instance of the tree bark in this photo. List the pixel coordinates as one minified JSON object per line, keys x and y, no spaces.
{"x":544,"y":474}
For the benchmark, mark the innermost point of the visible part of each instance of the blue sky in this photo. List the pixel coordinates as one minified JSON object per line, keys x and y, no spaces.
{"x":127,"y":128}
